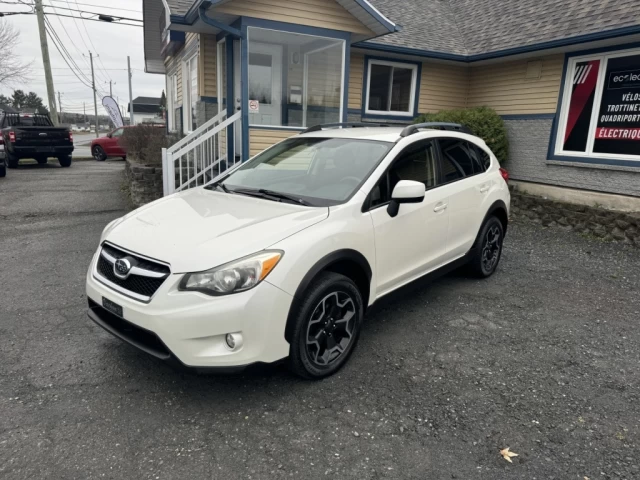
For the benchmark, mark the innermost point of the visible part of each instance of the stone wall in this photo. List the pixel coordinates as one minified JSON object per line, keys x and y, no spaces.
{"x":528,"y":148}
{"x":144,"y":182}
{"x":593,"y":221}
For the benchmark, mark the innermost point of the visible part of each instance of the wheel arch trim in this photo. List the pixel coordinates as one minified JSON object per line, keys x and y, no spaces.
{"x":321,"y":265}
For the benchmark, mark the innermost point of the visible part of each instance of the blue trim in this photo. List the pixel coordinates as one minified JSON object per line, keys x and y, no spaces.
{"x":294,"y":28}
{"x":231,"y":141}
{"x":244,"y":95}
{"x":354,"y":111}
{"x":593,"y":51}
{"x":365,"y":91}
{"x":264,"y":127}
{"x":202,"y":11}
{"x":554,"y":125}
{"x":530,"y":116}
{"x":345,"y":89}
{"x":591,"y":37}
{"x":596,"y":161}
{"x":284,"y":111}
{"x":213,"y":100}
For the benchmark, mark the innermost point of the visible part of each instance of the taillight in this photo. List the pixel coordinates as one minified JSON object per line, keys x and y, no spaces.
{"x":12,"y":137}
{"x":505,"y":174}
{"x":71,"y":137}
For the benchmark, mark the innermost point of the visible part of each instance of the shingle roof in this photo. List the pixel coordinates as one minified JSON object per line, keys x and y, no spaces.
{"x":471,"y":27}
{"x":146,"y":101}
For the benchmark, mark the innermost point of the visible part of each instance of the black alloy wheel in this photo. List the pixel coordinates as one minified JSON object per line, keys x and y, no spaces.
{"x":488,"y":248}
{"x":327,"y":326}
{"x":98,"y":153}
{"x":331,"y":328}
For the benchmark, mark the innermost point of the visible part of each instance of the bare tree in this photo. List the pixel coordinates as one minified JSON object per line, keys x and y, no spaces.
{"x":12,"y":69}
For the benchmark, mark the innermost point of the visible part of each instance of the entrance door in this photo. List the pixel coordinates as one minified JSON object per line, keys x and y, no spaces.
{"x":265,"y":84}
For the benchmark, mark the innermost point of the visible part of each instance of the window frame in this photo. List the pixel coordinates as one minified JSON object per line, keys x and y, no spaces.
{"x":187,"y":89}
{"x":415,"y":88}
{"x":366,"y":207}
{"x":565,"y":101}
{"x":471,"y":144}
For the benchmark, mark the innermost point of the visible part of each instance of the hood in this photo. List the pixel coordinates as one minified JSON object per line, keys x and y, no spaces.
{"x":201,"y":229}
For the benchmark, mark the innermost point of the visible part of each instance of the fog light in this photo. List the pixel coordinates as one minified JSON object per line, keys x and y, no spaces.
{"x":234,"y":341}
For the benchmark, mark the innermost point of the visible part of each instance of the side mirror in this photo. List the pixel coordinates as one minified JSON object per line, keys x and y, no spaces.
{"x":109,"y":135}
{"x":406,"y":191}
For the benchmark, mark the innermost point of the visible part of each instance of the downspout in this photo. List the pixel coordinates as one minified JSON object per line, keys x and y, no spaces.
{"x":233,"y":33}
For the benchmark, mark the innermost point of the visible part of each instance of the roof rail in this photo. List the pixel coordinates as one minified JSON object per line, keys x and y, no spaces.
{"x":319,"y":128}
{"x":454,"y":127}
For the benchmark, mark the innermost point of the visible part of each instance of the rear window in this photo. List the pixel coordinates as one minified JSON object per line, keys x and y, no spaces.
{"x":27,"y":121}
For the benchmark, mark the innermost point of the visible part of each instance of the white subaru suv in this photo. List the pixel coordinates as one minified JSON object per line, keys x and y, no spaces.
{"x":280,"y":257}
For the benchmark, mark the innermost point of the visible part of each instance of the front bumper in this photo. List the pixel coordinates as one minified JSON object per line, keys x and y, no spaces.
{"x":191,"y":327}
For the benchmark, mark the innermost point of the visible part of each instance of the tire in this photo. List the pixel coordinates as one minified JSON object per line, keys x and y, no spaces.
{"x":488,"y":248}
{"x":12,"y":161}
{"x":98,"y":153}
{"x":331,"y":313}
{"x":65,"y":161}
{"x":42,"y":160}
{"x":3,"y":169}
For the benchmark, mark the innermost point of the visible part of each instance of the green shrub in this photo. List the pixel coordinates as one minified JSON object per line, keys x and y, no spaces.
{"x":144,"y":143}
{"x":484,"y":122}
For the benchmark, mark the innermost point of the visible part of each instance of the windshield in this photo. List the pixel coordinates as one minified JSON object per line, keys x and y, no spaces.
{"x":317,"y":171}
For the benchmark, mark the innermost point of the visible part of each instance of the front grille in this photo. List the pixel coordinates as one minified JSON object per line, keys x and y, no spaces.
{"x":127,"y":331}
{"x":141,"y":285}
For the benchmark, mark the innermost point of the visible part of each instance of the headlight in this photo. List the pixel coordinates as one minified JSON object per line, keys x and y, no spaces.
{"x":234,"y":277}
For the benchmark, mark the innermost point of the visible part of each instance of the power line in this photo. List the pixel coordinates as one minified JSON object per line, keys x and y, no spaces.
{"x":98,"y":6}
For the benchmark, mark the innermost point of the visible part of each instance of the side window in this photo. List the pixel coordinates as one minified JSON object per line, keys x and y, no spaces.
{"x":417,"y":162}
{"x":485,"y":159}
{"x":457,"y":152}
{"x":118,"y":133}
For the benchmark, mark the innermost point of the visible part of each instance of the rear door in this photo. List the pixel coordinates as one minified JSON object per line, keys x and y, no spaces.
{"x":467,"y":186}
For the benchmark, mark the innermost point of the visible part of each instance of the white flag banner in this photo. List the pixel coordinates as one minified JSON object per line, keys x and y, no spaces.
{"x":113,"y":110}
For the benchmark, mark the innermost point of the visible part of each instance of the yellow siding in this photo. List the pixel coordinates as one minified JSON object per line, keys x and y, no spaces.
{"x":207,"y":67}
{"x":505,"y":88}
{"x":313,"y":13}
{"x":260,"y":139}
{"x":443,"y":87}
{"x":190,"y":38}
{"x":355,"y":80}
{"x":172,"y":63}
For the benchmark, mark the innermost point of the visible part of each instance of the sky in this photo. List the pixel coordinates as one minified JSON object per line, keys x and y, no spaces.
{"x":110,"y":42}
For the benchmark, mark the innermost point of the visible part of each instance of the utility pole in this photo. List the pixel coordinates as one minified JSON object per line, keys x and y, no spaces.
{"x":60,"y":106}
{"x":131,"y":120}
{"x":95,"y":99}
{"x":85,"y":111}
{"x":111,"y":88}
{"x":46,"y":61}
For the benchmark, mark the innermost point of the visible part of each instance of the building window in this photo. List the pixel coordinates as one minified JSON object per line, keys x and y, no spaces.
{"x":600,"y":114}
{"x":391,"y":88}
{"x":295,"y":80}
{"x":191,"y":89}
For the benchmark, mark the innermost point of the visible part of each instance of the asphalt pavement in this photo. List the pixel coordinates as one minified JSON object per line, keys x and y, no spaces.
{"x":543,"y":358}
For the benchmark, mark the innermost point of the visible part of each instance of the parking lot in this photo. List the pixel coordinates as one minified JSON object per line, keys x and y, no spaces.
{"x":543,"y":358}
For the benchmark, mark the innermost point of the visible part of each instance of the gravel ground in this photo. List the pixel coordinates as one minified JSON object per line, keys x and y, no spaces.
{"x":543,"y":358}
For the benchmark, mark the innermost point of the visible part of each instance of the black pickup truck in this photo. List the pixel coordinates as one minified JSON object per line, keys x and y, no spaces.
{"x":26,"y":135}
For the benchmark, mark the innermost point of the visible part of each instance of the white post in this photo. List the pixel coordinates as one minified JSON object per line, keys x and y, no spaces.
{"x":165,"y":173}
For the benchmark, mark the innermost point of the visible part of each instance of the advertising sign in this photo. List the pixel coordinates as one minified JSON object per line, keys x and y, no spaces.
{"x":618,"y":129}
{"x":113,"y":110}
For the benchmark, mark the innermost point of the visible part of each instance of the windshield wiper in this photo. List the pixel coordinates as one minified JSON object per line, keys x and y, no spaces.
{"x":284,"y":196}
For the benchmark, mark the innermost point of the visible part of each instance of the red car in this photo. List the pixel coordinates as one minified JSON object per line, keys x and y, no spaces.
{"x":109,"y":146}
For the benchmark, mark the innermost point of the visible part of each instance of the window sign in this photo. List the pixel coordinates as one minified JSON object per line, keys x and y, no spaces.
{"x":583,"y":89}
{"x":600,"y":115}
{"x":618,"y":130}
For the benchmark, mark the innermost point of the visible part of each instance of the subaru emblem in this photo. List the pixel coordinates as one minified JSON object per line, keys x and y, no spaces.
{"x":122,"y":268}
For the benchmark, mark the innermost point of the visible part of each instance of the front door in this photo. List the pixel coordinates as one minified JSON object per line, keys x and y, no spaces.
{"x":265,"y":84}
{"x":415,"y":241}
{"x":111,"y":144}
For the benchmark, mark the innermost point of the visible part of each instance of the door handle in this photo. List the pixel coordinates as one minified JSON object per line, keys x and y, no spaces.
{"x":485,"y":188}
{"x":440,"y":207}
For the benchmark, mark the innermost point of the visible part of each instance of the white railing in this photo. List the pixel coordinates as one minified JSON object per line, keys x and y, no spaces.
{"x":201,"y":156}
